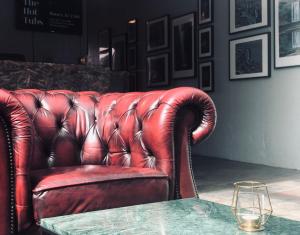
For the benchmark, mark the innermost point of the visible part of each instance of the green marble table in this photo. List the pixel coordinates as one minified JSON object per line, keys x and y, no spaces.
{"x":179,"y":217}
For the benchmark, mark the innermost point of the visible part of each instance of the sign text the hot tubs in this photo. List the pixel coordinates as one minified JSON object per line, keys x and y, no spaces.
{"x":62,"y":16}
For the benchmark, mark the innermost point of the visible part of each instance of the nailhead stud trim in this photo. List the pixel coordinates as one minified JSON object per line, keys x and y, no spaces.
{"x":11,"y":177}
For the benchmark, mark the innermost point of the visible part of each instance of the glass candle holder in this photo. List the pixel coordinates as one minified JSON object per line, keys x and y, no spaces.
{"x":251,"y":205}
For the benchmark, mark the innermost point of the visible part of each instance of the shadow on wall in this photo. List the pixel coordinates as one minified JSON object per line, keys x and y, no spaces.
{"x":216,"y":174}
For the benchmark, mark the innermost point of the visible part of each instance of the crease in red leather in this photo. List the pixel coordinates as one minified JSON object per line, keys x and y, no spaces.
{"x":78,"y":175}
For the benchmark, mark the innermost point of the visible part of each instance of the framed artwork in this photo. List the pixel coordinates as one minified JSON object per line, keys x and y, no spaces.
{"x":206,"y":42}
{"x":132,"y":30}
{"x":250,"y":57}
{"x":206,"y":75}
{"x":205,"y":11}
{"x":157,"y":33}
{"x":158,"y":70}
{"x":287,"y":33}
{"x":132,"y":55}
{"x":119,"y":58}
{"x":248,"y":14}
{"x":104,"y":44}
{"x":183,"y":46}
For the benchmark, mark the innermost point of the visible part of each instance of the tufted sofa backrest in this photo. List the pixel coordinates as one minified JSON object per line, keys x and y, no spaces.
{"x":77,"y":128}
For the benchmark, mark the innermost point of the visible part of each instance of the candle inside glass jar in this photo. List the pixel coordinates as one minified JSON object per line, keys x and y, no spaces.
{"x":250,"y":221}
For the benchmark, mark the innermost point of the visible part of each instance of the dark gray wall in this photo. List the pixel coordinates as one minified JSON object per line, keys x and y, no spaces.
{"x":115,"y":14}
{"x":37,"y":46}
{"x":258,"y":119}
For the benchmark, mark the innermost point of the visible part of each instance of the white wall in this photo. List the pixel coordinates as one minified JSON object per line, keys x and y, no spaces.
{"x":258,"y":119}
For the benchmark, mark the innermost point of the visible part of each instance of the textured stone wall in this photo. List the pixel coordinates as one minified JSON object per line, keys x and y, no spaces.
{"x":48,"y":76}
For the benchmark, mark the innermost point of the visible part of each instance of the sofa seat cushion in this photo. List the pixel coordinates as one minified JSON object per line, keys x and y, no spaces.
{"x":68,"y":190}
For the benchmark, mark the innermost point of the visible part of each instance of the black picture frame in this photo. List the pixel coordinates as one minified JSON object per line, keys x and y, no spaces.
{"x":244,"y":17}
{"x":132,"y":57}
{"x":250,"y":57}
{"x":104,"y":47}
{"x":206,"y":42}
{"x":157,"y":70}
{"x":119,"y":52}
{"x":205,"y":11}
{"x":206,"y":76}
{"x":183,"y":46}
{"x":132,"y":25}
{"x":286,"y":34}
{"x":157,"y":33}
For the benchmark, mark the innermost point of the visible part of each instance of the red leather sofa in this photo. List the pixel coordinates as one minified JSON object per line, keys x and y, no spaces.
{"x":64,"y":152}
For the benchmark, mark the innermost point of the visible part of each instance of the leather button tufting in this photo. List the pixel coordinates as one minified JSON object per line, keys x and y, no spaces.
{"x":158,"y":104}
{"x":94,"y":99}
{"x":59,"y":124}
{"x":127,"y":150}
{"x":140,"y":125}
{"x":134,"y":105}
{"x":38,"y":104}
{"x":71,"y":103}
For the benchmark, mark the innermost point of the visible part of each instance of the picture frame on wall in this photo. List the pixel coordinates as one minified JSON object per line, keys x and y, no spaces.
{"x":132,"y":30}
{"x":248,"y":14}
{"x":157,"y":33}
{"x":205,"y":11}
{"x":287,"y":33}
{"x":132,"y":57}
{"x":104,"y":47}
{"x":158,"y":70}
{"x":250,"y":57}
{"x":183,"y":46}
{"x":206,"y":42}
{"x":118,"y":48}
{"x":206,"y":75}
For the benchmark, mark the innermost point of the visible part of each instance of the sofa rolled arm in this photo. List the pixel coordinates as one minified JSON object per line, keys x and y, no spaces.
{"x":198,"y":100}
{"x":15,"y":140}
{"x":154,"y":130}
{"x":194,"y":116}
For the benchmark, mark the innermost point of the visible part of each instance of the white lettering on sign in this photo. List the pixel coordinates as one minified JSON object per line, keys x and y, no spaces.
{"x":31,"y":3}
{"x":32,"y":21}
{"x":29,"y":11}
